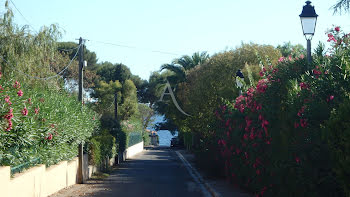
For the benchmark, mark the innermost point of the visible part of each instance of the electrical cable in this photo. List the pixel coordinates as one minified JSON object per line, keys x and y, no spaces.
{"x":67,"y":50}
{"x":46,"y":78}
{"x":133,"y":47}
{"x":14,"y":5}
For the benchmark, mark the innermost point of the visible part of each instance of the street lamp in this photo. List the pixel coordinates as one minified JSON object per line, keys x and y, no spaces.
{"x":308,"y":19}
{"x":239,"y":79}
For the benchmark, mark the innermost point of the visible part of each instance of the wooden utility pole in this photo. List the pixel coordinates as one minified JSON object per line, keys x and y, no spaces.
{"x":80,"y":98}
{"x":116,"y":106}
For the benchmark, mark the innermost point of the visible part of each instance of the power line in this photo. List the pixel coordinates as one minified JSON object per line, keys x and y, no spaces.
{"x":14,"y":5}
{"x":68,"y":50}
{"x":46,"y":78}
{"x":133,"y":47}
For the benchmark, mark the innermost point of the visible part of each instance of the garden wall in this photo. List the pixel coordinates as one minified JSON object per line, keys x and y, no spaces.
{"x":40,"y":181}
{"x":133,"y":150}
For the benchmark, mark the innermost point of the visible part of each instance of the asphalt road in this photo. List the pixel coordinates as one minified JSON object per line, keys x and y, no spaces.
{"x":152,"y":173}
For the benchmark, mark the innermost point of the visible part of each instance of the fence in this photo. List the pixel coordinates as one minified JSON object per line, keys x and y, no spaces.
{"x":134,"y":138}
{"x":25,"y":165}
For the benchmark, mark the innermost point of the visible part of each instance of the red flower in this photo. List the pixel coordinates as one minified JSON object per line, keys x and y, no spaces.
{"x":36,"y":110}
{"x":245,"y":136}
{"x":330,"y":98}
{"x":7,"y":100}
{"x":20,"y":93}
{"x":297,"y":159}
{"x":337,"y":29}
{"x":17,"y":85}
{"x":296,"y":125}
{"x":9,"y":126}
{"x":304,"y":85}
{"x":24,"y":111}
{"x":331,"y":38}
{"x":258,"y":172}
{"x":281,"y":59}
{"x":261,"y":73}
{"x":9,"y":116}
{"x":303,"y":123}
{"x":49,"y":137}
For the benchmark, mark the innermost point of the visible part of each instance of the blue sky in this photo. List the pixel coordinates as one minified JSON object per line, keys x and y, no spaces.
{"x":176,"y":26}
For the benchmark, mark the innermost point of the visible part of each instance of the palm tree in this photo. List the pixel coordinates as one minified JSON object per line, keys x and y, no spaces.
{"x":182,"y":65}
{"x":341,"y":5}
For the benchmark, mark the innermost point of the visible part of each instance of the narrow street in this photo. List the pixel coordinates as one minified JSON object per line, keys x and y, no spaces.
{"x":156,"y":172}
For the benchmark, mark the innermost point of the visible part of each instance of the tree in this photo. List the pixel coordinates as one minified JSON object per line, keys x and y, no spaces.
{"x":129,"y":104}
{"x":181,"y":66}
{"x":287,"y":49}
{"x":70,"y":48}
{"x":113,"y":72}
{"x":341,"y":5}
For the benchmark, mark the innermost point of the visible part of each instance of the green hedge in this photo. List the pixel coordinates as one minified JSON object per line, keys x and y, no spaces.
{"x":38,"y":123}
{"x":102,"y":147}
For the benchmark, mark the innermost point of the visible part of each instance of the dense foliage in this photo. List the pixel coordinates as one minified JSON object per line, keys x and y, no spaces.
{"x":45,"y":124}
{"x":279,"y":138}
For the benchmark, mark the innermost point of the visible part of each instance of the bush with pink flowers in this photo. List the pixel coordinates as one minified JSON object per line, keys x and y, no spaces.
{"x":273,"y":137}
{"x":38,"y":123}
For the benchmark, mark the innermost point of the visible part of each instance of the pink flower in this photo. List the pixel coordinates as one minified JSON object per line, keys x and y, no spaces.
{"x":24,"y":111}
{"x":7,"y":99}
{"x":297,"y":159}
{"x":262,"y":86}
{"x":17,"y":85}
{"x":245,"y":136}
{"x":331,"y":38}
{"x":296,"y":125}
{"x":337,"y":29}
{"x":20,"y":93}
{"x":49,"y":137}
{"x":36,"y":110}
{"x":302,"y":56}
{"x":330,"y":98}
{"x":261,"y":73}
{"x":304,"y":85}
{"x":258,"y":172}
{"x":281,"y":59}
{"x":238,"y":151}
{"x":9,"y":127}
{"x":303,"y":123}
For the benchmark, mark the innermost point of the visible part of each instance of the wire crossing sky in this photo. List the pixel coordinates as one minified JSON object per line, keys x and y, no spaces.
{"x":146,"y":34}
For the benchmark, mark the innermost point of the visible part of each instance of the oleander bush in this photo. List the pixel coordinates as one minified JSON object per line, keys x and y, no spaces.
{"x":276,"y":139}
{"x":41,"y":123}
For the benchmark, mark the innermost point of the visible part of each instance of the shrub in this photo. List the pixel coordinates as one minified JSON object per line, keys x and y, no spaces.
{"x":270,"y":137}
{"x":102,"y":147}
{"x":337,"y":131}
{"x":34,"y":123}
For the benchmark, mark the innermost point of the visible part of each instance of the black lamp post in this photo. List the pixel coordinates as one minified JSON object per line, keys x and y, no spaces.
{"x":308,"y":19}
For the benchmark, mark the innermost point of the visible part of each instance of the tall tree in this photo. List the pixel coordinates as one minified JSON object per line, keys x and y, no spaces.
{"x":182,"y":65}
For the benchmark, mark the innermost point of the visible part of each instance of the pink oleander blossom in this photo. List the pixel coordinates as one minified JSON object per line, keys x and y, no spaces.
{"x":20,"y":93}
{"x":281,"y":59}
{"x":17,"y":85}
{"x":24,"y":111}
{"x":337,"y":29}
{"x":303,"y":123}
